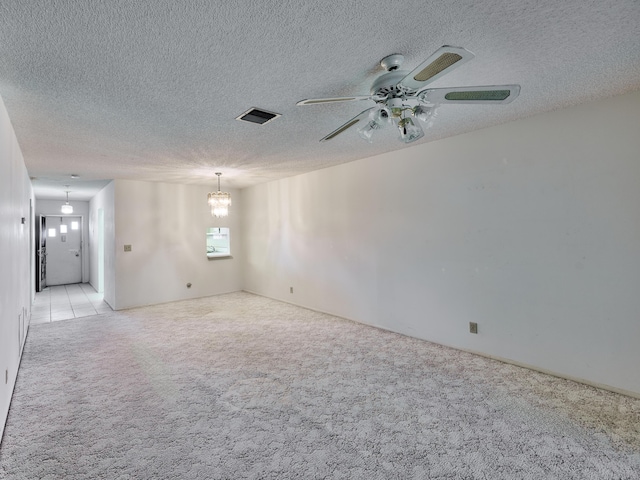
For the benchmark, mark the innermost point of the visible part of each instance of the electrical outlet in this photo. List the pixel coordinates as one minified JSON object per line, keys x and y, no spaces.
{"x":127,"y":248}
{"x":290,"y":289}
{"x":473,"y":327}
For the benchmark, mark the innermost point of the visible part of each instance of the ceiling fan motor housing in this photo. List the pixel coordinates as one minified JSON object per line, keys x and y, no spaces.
{"x":388,"y":84}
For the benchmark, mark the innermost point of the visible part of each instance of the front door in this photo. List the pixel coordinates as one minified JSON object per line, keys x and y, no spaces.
{"x":64,"y":250}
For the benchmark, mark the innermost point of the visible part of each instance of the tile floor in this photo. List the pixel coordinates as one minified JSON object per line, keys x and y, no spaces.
{"x":62,"y":302}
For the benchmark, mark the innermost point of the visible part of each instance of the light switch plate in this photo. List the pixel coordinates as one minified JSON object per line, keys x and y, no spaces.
{"x":127,"y":248}
{"x":473,"y":327}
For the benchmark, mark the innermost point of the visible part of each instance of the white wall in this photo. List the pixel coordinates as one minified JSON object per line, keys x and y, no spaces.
{"x":165,"y":224}
{"x":80,"y":208}
{"x":531,"y":229}
{"x":103,"y":200}
{"x":16,"y":196}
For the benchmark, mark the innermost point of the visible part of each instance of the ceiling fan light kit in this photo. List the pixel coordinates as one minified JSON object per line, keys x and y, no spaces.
{"x":366,"y":132}
{"x":378,"y":118}
{"x":425,"y":114}
{"x":400,"y":95}
{"x":410,"y":131}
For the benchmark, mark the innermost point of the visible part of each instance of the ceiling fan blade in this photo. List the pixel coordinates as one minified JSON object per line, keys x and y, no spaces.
{"x":485,"y":95}
{"x":315,"y":101}
{"x":443,"y":61}
{"x":349,"y":124}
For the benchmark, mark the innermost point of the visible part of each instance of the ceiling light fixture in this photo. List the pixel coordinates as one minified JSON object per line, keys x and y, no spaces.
{"x":404,"y":96}
{"x":377,"y":120}
{"x":424,"y":114}
{"x":219,"y":201}
{"x":410,"y":131}
{"x":66,"y":208}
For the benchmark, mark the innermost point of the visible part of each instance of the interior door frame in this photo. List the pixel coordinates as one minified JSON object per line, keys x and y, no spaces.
{"x":41,"y":253}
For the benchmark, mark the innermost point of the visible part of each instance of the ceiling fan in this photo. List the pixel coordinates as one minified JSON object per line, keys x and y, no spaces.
{"x":401,"y":96}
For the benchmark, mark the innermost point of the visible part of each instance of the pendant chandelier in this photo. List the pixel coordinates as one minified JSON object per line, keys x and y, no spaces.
{"x":66,"y":208}
{"x":219,"y":201}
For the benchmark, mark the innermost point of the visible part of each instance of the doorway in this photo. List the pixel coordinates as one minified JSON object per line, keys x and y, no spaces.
{"x":100,"y":250}
{"x":62,"y":239}
{"x":41,"y":253}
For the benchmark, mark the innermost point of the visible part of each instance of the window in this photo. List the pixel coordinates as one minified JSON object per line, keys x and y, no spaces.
{"x":52,"y":232}
{"x":63,"y":229}
{"x":74,"y":225}
{"x":218,"y":244}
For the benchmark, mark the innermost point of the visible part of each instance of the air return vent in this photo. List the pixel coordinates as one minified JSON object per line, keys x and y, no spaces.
{"x":255,"y":115}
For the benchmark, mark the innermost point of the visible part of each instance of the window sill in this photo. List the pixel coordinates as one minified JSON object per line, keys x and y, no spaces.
{"x":213,"y":256}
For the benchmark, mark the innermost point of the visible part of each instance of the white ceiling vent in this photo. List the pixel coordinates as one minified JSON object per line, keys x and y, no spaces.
{"x":256,"y":115}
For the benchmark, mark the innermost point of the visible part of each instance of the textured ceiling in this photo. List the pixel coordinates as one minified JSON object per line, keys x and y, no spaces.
{"x":150,"y":90}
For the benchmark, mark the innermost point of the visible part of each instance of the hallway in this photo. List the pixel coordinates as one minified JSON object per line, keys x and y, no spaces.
{"x":63,"y":302}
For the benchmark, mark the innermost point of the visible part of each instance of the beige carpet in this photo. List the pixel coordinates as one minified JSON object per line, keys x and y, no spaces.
{"x":239,"y":386}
